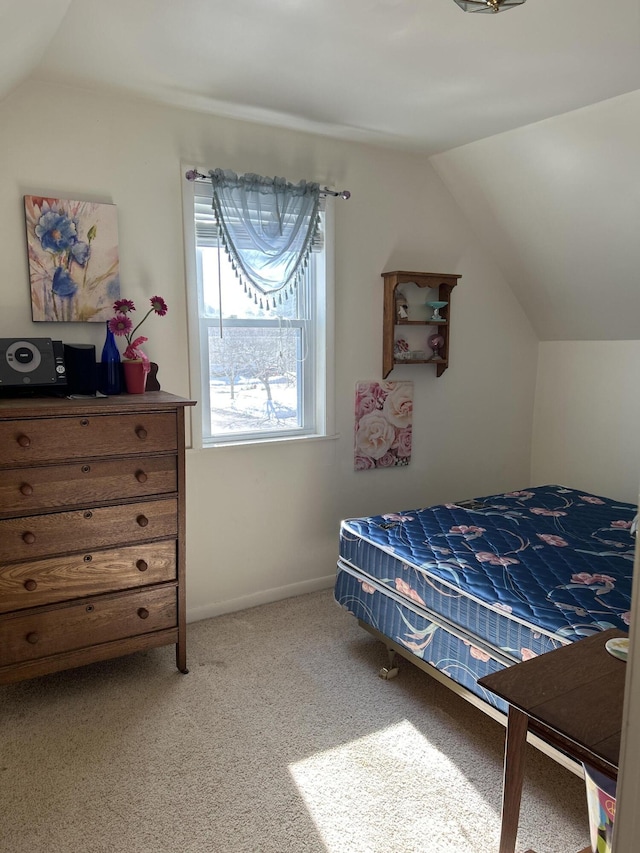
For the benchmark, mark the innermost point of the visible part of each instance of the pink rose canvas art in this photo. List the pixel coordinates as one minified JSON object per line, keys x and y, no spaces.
{"x":383,"y":424}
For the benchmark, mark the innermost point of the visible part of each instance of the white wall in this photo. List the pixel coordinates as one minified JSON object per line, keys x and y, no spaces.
{"x":263,"y":521}
{"x":587,"y":415}
{"x":557,"y":205}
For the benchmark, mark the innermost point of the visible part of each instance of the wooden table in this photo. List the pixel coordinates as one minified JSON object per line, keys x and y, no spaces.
{"x":572,"y":698}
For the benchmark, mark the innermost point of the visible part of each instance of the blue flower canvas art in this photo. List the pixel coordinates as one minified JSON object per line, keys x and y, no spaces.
{"x":74,"y":268}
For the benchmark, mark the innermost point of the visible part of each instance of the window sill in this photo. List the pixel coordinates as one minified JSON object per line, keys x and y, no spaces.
{"x":256,"y":442}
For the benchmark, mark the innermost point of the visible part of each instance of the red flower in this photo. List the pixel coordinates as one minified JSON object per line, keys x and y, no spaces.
{"x":159,"y":305}
{"x":120,"y":325}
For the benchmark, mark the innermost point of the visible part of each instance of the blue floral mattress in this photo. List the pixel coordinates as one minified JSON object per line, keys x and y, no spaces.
{"x":479,"y":585}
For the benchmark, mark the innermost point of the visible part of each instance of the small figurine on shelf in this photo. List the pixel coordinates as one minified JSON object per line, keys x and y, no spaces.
{"x":401,"y":350}
{"x":402,"y":307}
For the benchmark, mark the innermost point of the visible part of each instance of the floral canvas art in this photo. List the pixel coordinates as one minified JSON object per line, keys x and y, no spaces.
{"x":384,"y":414}
{"x":73,"y":259}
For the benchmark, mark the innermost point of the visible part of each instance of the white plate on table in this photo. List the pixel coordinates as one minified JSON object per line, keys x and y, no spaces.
{"x":618,"y":647}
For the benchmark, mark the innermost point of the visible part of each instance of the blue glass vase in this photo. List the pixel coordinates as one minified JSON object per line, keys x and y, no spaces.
{"x":111,"y":372}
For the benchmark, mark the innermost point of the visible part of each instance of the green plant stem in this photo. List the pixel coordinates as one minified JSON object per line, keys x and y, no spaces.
{"x":131,"y":334}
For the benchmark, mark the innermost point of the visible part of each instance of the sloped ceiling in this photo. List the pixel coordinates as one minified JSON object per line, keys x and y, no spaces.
{"x":557,"y":204}
{"x":495,"y":100}
{"x":26,"y":31}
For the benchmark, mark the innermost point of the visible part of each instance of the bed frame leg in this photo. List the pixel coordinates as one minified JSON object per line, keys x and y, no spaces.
{"x":391,"y":670}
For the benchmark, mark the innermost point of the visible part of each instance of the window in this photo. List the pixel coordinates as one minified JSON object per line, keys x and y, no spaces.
{"x":264,"y":373}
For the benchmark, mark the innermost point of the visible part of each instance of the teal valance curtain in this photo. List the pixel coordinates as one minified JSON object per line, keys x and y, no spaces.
{"x":267,"y":226}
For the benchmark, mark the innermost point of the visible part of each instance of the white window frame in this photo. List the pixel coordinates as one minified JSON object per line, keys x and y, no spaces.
{"x":323,"y":313}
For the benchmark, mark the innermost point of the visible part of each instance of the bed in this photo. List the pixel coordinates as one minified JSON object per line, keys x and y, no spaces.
{"x":464,"y":589}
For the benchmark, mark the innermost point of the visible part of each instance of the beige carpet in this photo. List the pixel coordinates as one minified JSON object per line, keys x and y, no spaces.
{"x":282,"y":739}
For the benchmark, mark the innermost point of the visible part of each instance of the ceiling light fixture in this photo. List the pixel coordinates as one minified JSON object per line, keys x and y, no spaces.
{"x":487,"y":5}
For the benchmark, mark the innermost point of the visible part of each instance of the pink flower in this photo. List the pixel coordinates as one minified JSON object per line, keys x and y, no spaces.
{"x":120,"y":325}
{"x":551,"y":539}
{"x":374,"y":435}
{"x":527,"y":654}
{"x":365,"y":403}
{"x":519,"y":495}
{"x":159,"y":305}
{"x":403,"y":587}
{"x":626,"y":617}
{"x":588,"y":579}
{"x":538,"y":510}
{"x":464,"y":529}
{"x":494,"y":559}
{"x":362,"y":463}
{"x":394,"y":516}
{"x":590,"y":499}
{"x":623,"y":525}
{"x":387,"y":461}
{"x":478,"y":654}
{"x":366,"y":587}
{"x":402,"y":444}
{"x":398,"y":404}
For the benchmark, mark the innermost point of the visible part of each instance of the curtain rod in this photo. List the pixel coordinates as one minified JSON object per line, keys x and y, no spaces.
{"x":194,"y":175}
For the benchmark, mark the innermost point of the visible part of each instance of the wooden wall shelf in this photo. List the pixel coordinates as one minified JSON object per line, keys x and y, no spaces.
{"x":444,"y":284}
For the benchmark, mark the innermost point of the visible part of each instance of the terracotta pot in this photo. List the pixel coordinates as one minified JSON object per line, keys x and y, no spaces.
{"x":135,"y":377}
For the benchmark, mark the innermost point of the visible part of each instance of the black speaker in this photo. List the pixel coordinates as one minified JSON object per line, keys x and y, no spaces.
{"x":82,"y":375}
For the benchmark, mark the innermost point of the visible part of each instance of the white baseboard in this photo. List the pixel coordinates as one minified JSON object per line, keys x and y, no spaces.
{"x":266,"y":596}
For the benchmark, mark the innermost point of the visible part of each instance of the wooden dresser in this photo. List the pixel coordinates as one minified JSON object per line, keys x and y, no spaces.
{"x":92,"y":528}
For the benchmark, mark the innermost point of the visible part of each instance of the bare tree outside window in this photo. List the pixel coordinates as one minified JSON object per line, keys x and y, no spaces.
{"x":253,"y":374}
{"x":263,"y":369}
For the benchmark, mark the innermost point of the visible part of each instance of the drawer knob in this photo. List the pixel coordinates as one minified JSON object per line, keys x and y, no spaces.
{"x":30,"y":585}
{"x":29,"y":538}
{"x":141,"y":433}
{"x":88,"y":514}
{"x":24,"y":440}
{"x":85,"y":469}
{"x":32,"y":638}
{"x":26,"y":489}
{"x":143,"y":613}
{"x":141,"y":477}
{"x":142,"y":520}
{"x":142,"y":565}
{"x":84,"y":422}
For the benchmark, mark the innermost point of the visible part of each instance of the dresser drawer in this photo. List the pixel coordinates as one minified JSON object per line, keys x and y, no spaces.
{"x":27,"y":490}
{"x":32,"y":584}
{"x":57,"y":629}
{"x":59,"y":533}
{"x":25,"y":442}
